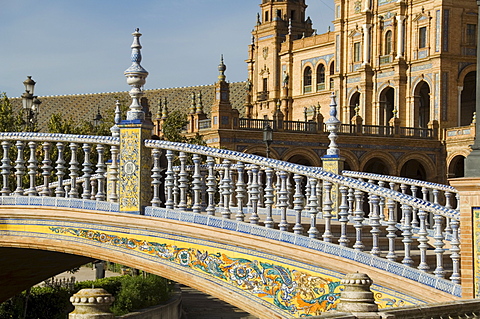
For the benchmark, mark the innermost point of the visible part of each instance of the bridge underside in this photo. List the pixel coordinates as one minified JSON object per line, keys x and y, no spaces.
{"x":22,"y":268}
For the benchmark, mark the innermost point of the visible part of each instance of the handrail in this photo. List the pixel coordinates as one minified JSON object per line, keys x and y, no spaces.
{"x":56,"y":137}
{"x":314,"y":172}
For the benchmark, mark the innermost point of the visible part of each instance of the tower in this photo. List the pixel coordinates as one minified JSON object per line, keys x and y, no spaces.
{"x":278,"y":22}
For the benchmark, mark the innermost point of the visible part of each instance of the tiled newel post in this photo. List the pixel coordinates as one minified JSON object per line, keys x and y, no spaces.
{"x":91,"y":304}
{"x":135,"y":158}
{"x":469,"y":191}
{"x":332,"y":162}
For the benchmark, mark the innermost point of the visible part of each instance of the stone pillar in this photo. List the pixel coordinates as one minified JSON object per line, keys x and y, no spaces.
{"x":469,"y":191}
{"x":332,"y":162}
{"x":395,"y":123}
{"x":357,"y":296}
{"x":366,"y":43}
{"x":91,"y":304}
{"x":400,"y":39}
{"x":135,"y":158}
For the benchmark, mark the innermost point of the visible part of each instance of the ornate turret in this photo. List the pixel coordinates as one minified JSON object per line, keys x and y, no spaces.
{"x":223,"y":116}
{"x":136,"y":77}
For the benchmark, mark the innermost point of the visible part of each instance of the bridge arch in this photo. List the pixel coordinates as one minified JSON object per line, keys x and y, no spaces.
{"x":195,"y":250}
{"x":261,"y":151}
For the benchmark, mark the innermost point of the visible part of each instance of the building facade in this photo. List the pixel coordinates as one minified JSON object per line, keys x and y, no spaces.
{"x":403,"y":73}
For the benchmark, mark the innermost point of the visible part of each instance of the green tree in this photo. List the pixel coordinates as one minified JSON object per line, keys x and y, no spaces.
{"x":9,"y":121}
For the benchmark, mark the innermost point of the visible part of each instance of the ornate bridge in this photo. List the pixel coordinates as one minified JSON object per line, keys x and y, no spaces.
{"x":271,"y":237}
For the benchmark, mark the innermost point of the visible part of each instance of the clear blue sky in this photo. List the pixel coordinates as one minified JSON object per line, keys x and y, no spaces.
{"x":75,"y":47}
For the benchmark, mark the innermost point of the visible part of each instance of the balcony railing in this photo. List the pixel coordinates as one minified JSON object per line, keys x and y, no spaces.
{"x":418,"y":132}
{"x":297,"y":126}
{"x":204,"y":124}
{"x":254,"y":124}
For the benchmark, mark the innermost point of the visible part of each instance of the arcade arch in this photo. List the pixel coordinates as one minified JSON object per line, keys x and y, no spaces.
{"x":421,"y":114}
{"x":456,"y":167}
{"x":354,"y":102}
{"x":386,"y":105}
{"x":467,"y":100}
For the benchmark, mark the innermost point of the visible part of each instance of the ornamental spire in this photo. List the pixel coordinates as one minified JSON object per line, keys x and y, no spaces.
{"x":136,"y":78}
{"x":222,"y":68}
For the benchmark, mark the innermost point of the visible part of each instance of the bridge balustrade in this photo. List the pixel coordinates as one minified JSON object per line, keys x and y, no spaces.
{"x":309,"y":201}
{"x":304,"y":200}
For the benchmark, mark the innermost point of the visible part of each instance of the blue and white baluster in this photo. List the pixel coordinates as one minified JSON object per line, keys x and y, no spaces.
{"x":407,"y":235}
{"x":60,"y":191}
{"x":20,"y":169}
{"x":6,"y":168}
{"x":391,"y":230}
{"x":156,"y":177}
{"x":240,"y":191}
{"x":283,"y":201}
{"x":47,"y":169}
{"x":87,"y":172}
{"x":183,"y":182}
{"x":197,"y":184}
{"x":343,"y":216}
{"x":269,"y":197}
{"x":423,"y":240}
{"x":438,"y":244}
{"x":313,"y":208}
{"x":73,"y":193}
{"x":327,"y":211}
{"x":375,"y":224}
{"x":358,"y":217}
{"x":211,"y":186}
{"x":260,"y":189}
{"x":254,"y":195}
{"x":351,"y":203}
{"x":101,"y":195}
{"x":298,"y":203}
{"x":415,"y":223}
{"x":225,"y":190}
{"x":169,"y":181}
{"x":455,"y":252}
{"x":448,"y":204}
{"x":249,"y":186}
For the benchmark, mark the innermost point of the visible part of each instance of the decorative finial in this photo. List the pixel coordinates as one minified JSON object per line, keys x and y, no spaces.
{"x":117,"y":119}
{"x":395,"y":113}
{"x":165,"y":109}
{"x":357,"y":110}
{"x":136,"y":77}
{"x":159,"y":109}
{"x":333,"y":125}
{"x":222,"y":68}
{"x":199,"y":109}
{"x":474,"y":120}
{"x":289,"y":26}
{"x":192,"y":103}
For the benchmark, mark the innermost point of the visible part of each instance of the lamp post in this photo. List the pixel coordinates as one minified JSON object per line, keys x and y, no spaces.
{"x":98,"y":118}
{"x":267,"y":137}
{"x":31,"y":104}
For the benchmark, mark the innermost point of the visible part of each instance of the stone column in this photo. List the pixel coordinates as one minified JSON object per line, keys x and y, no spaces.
{"x":332,"y":162}
{"x":357,"y":296}
{"x":469,"y":191}
{"x":366,"y":43}
{"x":91,"y":304}
{"x":135,"y":158}
{"x":400,"y":39}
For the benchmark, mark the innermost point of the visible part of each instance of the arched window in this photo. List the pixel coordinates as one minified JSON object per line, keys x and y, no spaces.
{"x":320,"y":77}
{"x":307,"y":80}
{"x":332,"y":72}
{"x":388,"y":43}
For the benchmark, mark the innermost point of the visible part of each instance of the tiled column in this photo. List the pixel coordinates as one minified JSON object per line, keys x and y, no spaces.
{"x":469,"y":190}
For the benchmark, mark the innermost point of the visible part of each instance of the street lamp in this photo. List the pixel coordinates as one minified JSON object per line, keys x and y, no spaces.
{"x":98,"y":118}
{"x":31,"y":104}
{"x":267,"y":137}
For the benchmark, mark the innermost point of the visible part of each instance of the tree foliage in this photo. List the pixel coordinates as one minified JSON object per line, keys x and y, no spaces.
{"x":9,"y":121}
